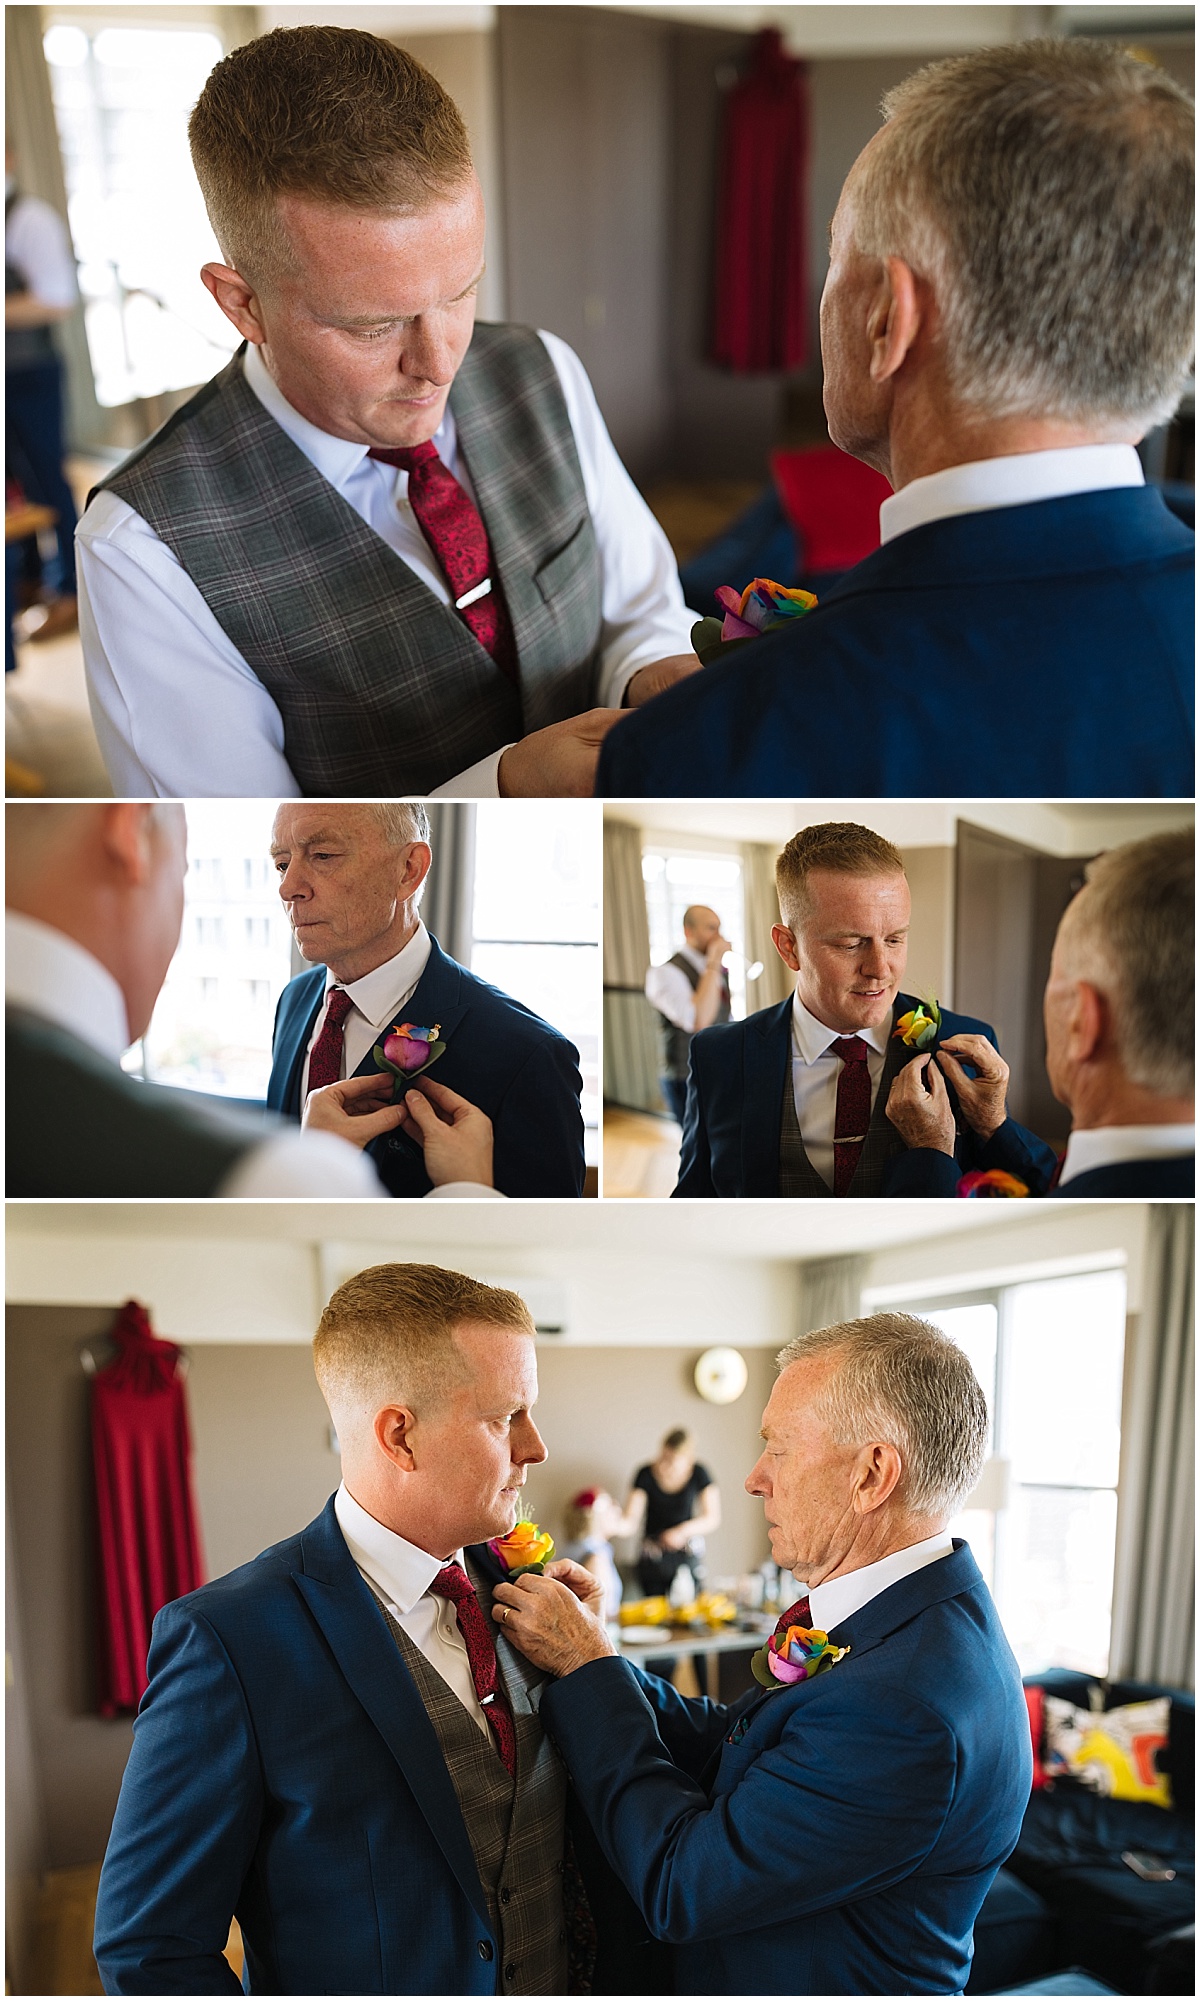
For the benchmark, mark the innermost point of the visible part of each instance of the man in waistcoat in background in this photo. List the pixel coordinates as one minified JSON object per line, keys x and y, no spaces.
{"x":688,"y":993}
{"x":334,"y":1747}
{"x":385,"y":551}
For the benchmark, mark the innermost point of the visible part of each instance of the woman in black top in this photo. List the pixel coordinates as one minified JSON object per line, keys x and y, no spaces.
{"x":673,"y":1504}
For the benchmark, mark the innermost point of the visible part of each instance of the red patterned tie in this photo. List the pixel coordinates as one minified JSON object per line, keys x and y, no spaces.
{"x":325,"y":1062}
{"x":454,"y":530}
{"x":853,"y":1109}
{"x":799,"y":1614}
{"x":453,"y":1583}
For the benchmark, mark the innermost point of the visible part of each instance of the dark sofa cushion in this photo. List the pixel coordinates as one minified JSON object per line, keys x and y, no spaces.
{"x":1014,"y":1937}
{"x":1180,"y":1757}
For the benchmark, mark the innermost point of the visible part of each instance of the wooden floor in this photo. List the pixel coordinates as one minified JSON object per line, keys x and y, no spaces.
{"x":49,"y":737}
{"x":61,"y":1956}
{"x":641,"y":1154}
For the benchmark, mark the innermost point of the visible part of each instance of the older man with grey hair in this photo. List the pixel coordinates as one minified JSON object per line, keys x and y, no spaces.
{"x":1009,"y":309}
{"x":351,"y":878}
{"x":836,"y":1831}
{"x":1120,"y":1016}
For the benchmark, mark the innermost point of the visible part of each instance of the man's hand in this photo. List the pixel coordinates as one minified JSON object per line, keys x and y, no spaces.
{"x":579,"y":1580}
{"x":983,"y":1098}
{"x":543,"y":1617}
{"x":558,"y":762}
{"x":659,"y":676}
{"x":922,"y":1117}
{"x":716,"y":951}
{"x":360,"y":1109}
{"x":455,"y":1135}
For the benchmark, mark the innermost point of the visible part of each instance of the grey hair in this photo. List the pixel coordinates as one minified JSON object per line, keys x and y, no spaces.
{"x":1045,"y":189}
{"x":903,"y":1382}
{"x":1131,"y":933}
{"x":401,"y":821}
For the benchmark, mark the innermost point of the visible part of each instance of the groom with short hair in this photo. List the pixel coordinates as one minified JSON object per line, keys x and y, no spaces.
{"x":1009,"y":309}
{"x":836,"y":1831}
{"x":796,"y":1099}
{"x":333,"y":1747}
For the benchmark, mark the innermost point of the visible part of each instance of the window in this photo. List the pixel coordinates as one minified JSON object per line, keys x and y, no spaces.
{"x":122,"y":95}
{"x":675,"y":878}
{"x":212,"y":1026}
{"x":536,"y":921}
{"x":1043,"y":1527}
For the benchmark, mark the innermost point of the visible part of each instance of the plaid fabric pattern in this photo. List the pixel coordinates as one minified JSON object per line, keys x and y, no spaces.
{"x":383,"y":690}
{"x":798,"y":1176}
{"x":517,"y":1832}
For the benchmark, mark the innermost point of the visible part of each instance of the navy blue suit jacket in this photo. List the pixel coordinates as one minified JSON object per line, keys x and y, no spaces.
{"x":1038,"y":651}
{"x":514,"y":1066}
{"x":924,"y":1172}
{"x":735,"y":1091}
{"x":284,"y":1770}
{"x":836,"y":1836}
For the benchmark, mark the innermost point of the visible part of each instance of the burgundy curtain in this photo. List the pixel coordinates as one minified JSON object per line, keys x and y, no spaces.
{"x":147,"y":1531}
{"x":760,"y":316}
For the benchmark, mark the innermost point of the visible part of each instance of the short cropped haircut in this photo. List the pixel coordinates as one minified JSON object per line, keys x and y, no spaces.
{"x":329,"y":113}
{"x":903,"y":1382}
{"x":839,"y":846}
{"x":1045,"y":189}
{"x":388,"y":1334}
{"x":1131,"y":933}
{"x":401,"y":821}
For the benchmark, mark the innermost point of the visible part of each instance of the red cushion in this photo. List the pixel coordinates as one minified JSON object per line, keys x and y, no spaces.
{"x":1035,"y":1703}
{"x":832,"y":501}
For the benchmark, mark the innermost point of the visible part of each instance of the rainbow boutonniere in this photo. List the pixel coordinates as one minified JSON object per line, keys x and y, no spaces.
{"x":525,"y":1547}
{"x":762,"y":607}
{"x":795,"y":1655}
{"x":407,"y":1050}
{"x":919,"y":1028}
{"x":991,"y":1181}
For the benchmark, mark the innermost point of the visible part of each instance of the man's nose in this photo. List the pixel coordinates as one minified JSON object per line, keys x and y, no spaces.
{"x":427,"y":354}
{"x":528,"y":1447}
{"x":875,"y":959}
{"x":291,"y":884}
{"x":754,"y":1483}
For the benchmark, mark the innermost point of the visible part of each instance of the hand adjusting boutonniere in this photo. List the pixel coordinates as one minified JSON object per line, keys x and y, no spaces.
{"x":796,"y":1655}
{"x":919,"y":1028}
{"x":761,"y":607}
{"x":525,"y":1547}
{"x":990,"y":1182}
{"x":407,"y":1051}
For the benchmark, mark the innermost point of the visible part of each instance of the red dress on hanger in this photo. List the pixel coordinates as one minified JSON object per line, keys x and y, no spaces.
{"x":148,"y":1535}
{"x":761,"y":307}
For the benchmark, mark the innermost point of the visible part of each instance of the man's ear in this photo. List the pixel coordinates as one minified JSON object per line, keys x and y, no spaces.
{"x":394,"y":1427}
{"x":896,"y":315}
{"x":127,"y":838}
{"x":1091,"y":1023}
{"x":784,"y":941}
{"x":877,"y":1476}
{"x":237,"y":300}
{"x":417,"y":863}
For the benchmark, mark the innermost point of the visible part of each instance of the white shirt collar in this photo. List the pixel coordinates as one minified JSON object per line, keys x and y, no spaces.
{"x":1105,"y":1146}
{"x":840,"y":1597}
{"x":336,"y":459}
{"x":811,"y":1038}
{"x":1013,"y":481}
{"x":378,"y":993}
{"x":403,"y":1572}
{"x":52,"y":976}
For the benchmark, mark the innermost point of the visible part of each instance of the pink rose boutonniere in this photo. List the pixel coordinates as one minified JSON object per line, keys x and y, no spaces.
{"x":796,"y":1655}
{"x":525,"y":1547}
{"x":762,"y":607}
{"x":407,"y":1050}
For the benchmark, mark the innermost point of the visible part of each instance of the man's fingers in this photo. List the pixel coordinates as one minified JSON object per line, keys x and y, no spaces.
{"x":974,"y":1049}
{"x":421,"y":1112}
{"x":937,"y":1086}
{"x":446,"y":1101}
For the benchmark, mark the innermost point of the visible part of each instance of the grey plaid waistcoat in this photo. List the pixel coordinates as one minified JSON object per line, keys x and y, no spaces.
{"x":798,"y":1176}
{"x":516,"y":1832}
{"x":383,"y":690}
{"x":674,"y":1043}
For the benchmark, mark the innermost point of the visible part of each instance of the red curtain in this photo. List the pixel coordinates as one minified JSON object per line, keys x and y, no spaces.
{"x":760,"y":317}
{"x":147,"y":1530}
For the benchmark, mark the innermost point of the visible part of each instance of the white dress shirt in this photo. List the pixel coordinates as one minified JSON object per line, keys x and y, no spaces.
{"x":840,"y":1597}
{"x":180,"y":714}
{"x":667,"y":989}
{"x":53,"y":977}
{"x":402,"y":1575}
{"x":1107,"y":1146}
{"x":1014,"y":481}
{"x":38,"y":246}
{"x":815,"y":1072}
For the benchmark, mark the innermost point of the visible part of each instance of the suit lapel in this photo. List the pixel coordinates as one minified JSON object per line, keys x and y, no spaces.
{"x":439,"y":996}
{"x":767,"y":1048}
{"x":293,"y":1044}
{"x":357,"y":1635}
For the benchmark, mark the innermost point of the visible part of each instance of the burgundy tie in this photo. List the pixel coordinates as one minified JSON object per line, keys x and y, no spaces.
{"x":853,"y":1109}
{"x":453,"y":1583}
{"x":799,"y":1614}
{"x":454,"y":530}
{"x":325,"y":1062}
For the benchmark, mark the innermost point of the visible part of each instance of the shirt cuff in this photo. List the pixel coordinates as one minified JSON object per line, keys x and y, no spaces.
{"x":465,"y":1191}
{"x":479,"y":781}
